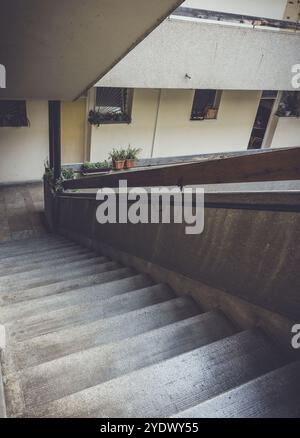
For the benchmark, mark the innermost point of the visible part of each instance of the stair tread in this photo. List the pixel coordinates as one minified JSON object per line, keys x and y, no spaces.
{"x":54,"y":345}
{"x":34,"y":254}
{"x":169,"y":387}
{"x":31,"y":241}
{"x":46,"y":265}
{"x":87,"y":368}
{"x":27,"y":248}
{"x":29,"y":280}
{"x":82,"y":295}
{"x":104,"y":272}
{"x":72,"y":316}
{"x":273,"y":395}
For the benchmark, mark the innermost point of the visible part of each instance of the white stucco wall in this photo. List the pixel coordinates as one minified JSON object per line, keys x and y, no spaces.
{"x":175,"y":133}
{"x":261,"y":8}
{"x":24,"y":150}
{"x":287,"y":133}
{"x":139,"y":133}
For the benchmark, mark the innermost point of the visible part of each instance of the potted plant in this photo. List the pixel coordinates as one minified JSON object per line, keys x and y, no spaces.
{"x":118,"y":157}
{"x":101,"y":166}
{"x":131,"y":156}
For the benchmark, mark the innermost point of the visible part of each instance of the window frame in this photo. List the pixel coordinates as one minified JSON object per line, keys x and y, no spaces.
{"x":11,"y":120}
{"x":127,"y":115}
{"x":215,"y":106}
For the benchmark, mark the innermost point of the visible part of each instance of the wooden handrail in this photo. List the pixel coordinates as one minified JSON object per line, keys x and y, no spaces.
{"x":272,"y":165}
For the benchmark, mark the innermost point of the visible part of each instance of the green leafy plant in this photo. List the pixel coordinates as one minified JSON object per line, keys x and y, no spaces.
{"x":118,"y":154}
{"x":99,"y":165}
{"x":132,"y":153}
{"x":57,"y":185}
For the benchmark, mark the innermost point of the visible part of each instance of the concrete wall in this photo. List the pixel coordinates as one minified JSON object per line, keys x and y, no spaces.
{"x":287,"y":132}
{"x":24,"y":150}
{"x":175,"y":133}
{"x":261,"y":8}
{"x":73,"y":124}
{"x":214,"y":55}
{"x":250,"y":254}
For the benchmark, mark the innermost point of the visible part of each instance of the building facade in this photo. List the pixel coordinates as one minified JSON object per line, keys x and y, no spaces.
{"x":222,"y":82}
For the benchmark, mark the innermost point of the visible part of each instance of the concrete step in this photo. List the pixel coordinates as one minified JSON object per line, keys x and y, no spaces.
{"x":76,"y":297}
{"x":104,"y":273}
{"x":34,"y":254}
{"x":28,"y":248}
{"x":171,"y":386}
{"x":31,"y":242}
{"x":63,"y":271}
{"x":94,"y":266}
{"x":67,"y":256}
{"x":62,"y":377}
{"x":48,"y":347}
{"x":72,"y":316}
{"x":273,"y":395}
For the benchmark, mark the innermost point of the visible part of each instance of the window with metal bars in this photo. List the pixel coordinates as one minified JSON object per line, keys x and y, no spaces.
{"x":113,"y":104}
{"x":205,"y":104}
{"x":13,"y":113}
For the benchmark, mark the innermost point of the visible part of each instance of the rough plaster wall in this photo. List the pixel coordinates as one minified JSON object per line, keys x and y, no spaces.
{"x":24,"y":150}
{"x":139,"y":133}
{"x":261,"y":8}
{"x":213,"y":55}
{"x":287,"y":133}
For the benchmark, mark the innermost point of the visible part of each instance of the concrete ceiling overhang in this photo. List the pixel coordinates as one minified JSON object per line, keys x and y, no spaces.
{"x":56,"y":49}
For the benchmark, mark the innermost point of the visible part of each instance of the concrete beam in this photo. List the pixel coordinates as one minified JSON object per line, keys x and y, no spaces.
{"x":191,"y":54}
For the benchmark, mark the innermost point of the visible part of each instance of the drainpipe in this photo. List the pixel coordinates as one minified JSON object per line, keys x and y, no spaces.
{"x":156,"y":120}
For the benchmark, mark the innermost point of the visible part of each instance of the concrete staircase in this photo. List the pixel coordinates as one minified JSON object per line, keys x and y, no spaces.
{"x":88,"y":337}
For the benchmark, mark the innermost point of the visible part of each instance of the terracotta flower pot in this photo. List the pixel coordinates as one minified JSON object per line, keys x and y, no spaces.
{"x":119,"y":165}
{"x":129,"y":163}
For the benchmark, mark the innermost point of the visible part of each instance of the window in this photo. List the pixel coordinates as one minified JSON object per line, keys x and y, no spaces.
{"x":289,"y":105}
{"x":206,"y":104}
{"x":114,"y":105}
{"x":13,"y":113}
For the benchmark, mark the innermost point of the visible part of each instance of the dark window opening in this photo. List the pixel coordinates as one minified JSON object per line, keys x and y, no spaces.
{"x":13,"y":113}
{"x":289,"y":105}
{"x":206,"y":104}
{"x":113,"y":104}
{"x":262,"y":119}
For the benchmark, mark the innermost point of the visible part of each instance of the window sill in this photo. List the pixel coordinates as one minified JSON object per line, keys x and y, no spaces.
{"x":288,"y":117}
{"x":112,"y":122}
{"x":203,"y":120}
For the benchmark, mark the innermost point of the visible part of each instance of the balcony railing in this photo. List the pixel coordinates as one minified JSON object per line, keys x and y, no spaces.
{"x":236,"y":18}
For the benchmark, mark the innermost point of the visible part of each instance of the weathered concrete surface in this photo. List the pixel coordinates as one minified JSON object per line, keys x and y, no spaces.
{"x":75,"y":297}
{"x":48,"y":347}
{"x":109,"y":341}
{"x":21,"y":211}
{"x":256,"y":399}
{"x":72,"y":316}
{"x":213,"y":55}
{"x":250,"y":254}
{"x":166,"y":388}
{"x":59,"y":378}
